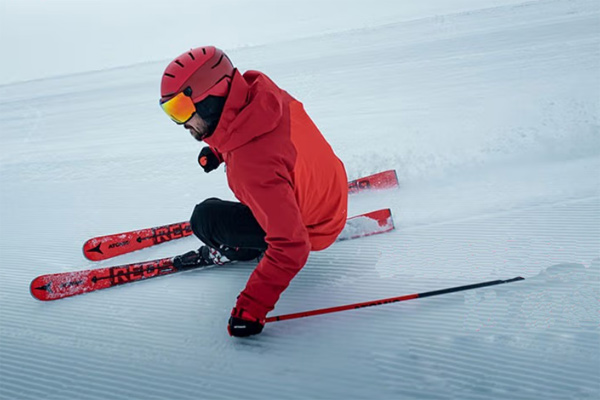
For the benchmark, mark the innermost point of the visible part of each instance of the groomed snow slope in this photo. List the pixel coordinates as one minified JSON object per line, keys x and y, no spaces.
{"x":490,"y":118}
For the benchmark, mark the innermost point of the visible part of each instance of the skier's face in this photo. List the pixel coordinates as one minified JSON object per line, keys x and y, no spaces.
{"x":197,"y":127}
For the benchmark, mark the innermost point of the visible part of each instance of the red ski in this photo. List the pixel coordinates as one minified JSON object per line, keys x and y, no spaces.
{"x":379,"y":181}
{"x":105,"y":247}
{"x":109,"y":246}
{"x":66,"y":284}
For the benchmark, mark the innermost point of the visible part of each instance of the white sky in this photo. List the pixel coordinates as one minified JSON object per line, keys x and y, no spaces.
{"x":43,"y":38}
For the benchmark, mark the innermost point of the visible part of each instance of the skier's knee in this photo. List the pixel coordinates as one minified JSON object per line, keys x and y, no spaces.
{"x":202,"y":219}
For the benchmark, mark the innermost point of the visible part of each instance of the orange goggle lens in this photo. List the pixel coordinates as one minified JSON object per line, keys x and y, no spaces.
{"x":179,"y":108}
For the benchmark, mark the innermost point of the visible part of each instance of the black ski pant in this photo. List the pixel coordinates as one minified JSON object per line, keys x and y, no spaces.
{"x":230,"y":228}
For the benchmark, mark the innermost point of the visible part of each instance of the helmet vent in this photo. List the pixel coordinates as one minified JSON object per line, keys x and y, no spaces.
{"x":179,"y":63}
{"x":191,"y":56}
{"x":218,"y":62}
{"x":169,"y":75}
{"x":203,"y":51}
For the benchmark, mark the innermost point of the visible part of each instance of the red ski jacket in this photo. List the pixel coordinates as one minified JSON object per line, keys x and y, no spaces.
{"x":281,"y":167}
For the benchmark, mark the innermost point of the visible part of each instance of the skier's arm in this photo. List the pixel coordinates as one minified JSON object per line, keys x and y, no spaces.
{"x":270,"y":195}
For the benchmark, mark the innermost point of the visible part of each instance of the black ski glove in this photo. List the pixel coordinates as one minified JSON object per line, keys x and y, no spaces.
{"x":208,"y":160}
{"x":242,"y":324}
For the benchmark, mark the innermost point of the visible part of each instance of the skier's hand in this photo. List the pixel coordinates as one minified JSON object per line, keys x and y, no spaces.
{"x":208,"y":160}
{"x":242,"y":324}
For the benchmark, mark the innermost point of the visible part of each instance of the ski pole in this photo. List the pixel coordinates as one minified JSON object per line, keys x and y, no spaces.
{"x":389,"y":300}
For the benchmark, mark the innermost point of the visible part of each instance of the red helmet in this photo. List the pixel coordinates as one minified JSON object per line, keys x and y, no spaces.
{"x":205,"y":70}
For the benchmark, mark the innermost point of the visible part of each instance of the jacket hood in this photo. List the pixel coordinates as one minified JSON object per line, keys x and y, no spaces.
{"x":253,"y":108}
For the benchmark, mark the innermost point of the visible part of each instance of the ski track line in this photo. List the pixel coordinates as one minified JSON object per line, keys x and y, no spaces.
{"x":514,"y":367}
{"x":456,"y":372}
{"x":164,"y":381}
{"x":593,"y":199}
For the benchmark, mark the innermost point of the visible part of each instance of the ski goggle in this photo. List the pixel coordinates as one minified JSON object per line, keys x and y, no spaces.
{"x":179,"y":108}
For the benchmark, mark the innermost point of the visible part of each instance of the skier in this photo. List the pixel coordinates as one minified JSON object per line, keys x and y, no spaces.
{"x":292,"y":188}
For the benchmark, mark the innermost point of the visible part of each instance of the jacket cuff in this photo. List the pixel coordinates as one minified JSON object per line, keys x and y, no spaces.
{"x":255,"y":309}
{"x":217,"y":154}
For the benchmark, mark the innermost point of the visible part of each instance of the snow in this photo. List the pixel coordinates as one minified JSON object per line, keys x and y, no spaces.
{"x":489,"y":114}
{"x":74,"y":36}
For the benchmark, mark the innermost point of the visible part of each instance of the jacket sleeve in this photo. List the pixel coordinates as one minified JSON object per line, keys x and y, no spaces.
{"x":268,"y":191}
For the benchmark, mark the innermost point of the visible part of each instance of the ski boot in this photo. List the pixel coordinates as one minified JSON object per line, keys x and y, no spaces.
{"x":204,"y":256}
